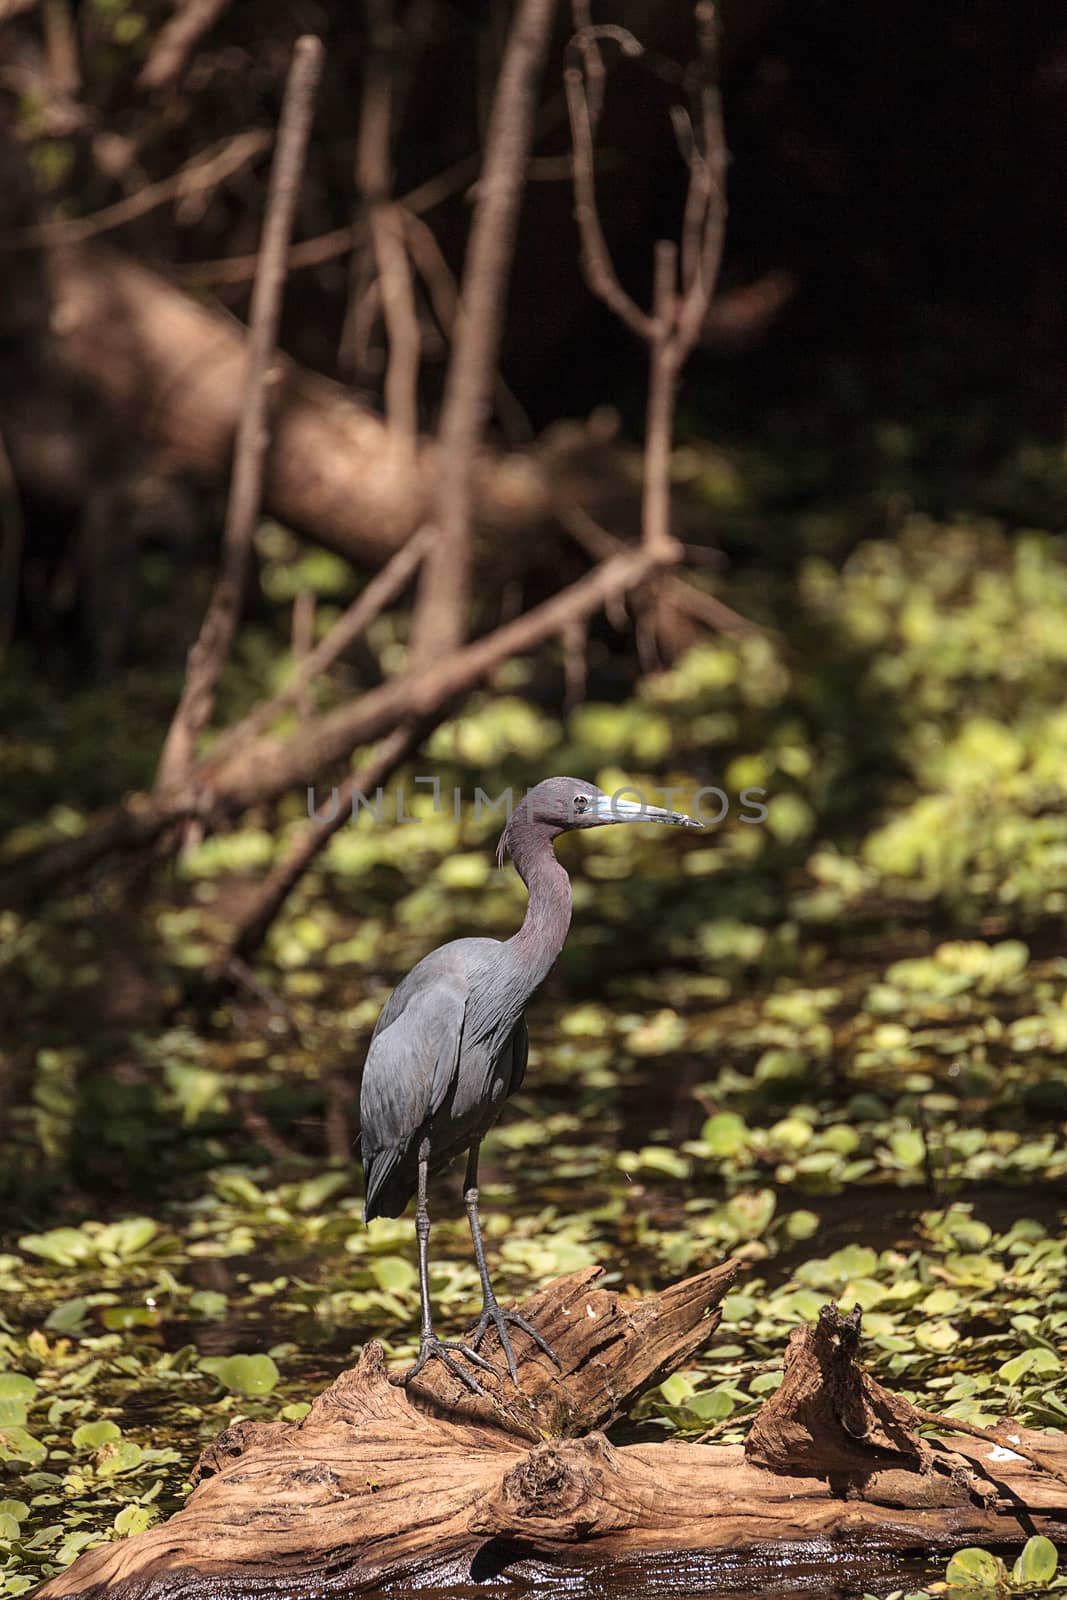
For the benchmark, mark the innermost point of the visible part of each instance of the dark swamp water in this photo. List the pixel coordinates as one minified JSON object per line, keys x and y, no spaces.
{"x":840,"y":1157}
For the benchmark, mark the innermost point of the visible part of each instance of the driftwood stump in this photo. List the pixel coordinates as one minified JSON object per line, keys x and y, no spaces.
{"x":430,"y":1486}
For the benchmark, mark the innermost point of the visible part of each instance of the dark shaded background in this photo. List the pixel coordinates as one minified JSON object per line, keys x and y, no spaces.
{"x":903,"y":169}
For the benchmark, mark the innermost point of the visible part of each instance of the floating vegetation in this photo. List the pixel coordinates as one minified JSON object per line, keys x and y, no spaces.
{"x":833,"y":1044}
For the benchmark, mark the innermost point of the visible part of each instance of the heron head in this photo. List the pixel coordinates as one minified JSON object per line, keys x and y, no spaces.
{"x":560,"y":805}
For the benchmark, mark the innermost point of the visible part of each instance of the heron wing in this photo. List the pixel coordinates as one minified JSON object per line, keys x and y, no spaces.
{"x":410,"y":1069}
{"x":520,"y":1049}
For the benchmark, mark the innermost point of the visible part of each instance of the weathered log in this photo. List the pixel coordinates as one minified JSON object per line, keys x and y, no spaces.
{"x":828,"y":1417}
{"x":171,"y":369}
{"x":610,"y":1348}
{"x":432,"y":1486}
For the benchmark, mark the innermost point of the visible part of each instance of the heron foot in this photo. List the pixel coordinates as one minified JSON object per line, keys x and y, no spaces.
{"x":431,"y":1348}
{"x":494,"y":1317}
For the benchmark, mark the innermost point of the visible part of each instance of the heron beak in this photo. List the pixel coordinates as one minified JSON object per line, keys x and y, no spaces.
{"x":609,"y":810}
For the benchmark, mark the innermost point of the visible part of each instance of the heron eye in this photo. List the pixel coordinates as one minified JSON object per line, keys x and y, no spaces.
{"x":581,"y":803}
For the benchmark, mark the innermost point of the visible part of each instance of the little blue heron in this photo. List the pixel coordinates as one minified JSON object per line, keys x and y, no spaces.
{"x":450,"y":1046}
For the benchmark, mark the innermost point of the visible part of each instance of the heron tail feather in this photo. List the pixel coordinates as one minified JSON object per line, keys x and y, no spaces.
{"x":389,"y":1186}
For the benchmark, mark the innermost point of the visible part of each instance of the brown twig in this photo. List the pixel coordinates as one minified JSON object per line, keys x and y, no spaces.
{"x":338,"y":241}
{"x":433,"y":269}
{"x":973,"y":1430}
{"x":386,"y":223}
{"x":424,"y":197}
{"x":203,"y":172}
{"x":61,"y":49}
{"x":402,"y":325}
{"x":208,"y":654}
{"x":596,"y":258}
{"x":593,"y":63}
{"x":445,"y":577}
{"x":311,"y":840}
{"x":380,"y":592}
{"x":717,"y":1429}
{"x":707,"y":179}
{"x":176,"y":40}
{"x":677,"y":314}
{"x":708,"y":609}
{"x":269,"y":767}
{"x":260,"y":1131}
{"x":301,"y":640}
{"x":242,"y":975}
{"x":659,"y":413}
{"x":363,"y":312}
{"x":696,"y":195}
{"x":695,"y":603}
{"x":705,"y":211}
{"x":439,"y":623}
{"x":337,"y":1123}
{"x":341,"y":241}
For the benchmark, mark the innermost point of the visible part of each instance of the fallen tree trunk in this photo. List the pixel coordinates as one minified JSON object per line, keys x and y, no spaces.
{"x":378,"y":1485}
{"x":172,"y":370}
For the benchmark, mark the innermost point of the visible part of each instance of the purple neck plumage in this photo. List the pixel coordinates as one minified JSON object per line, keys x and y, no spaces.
{"x":548,"y":912}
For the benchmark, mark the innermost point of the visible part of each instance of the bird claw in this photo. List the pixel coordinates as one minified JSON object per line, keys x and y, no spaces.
{"x":493,"y":1316}
{"x":433,"y":1349}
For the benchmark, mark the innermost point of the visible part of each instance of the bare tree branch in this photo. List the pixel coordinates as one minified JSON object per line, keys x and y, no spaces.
{"x":380,"y":592}
{"x":695,"y":603}
{"x":386,"y":223}
{"x":707,"y":179}
{"x":176,"y":41}
{"x":250,"y":765}
{"x":208,"y":655}
{"x":696,"y":199}
{"x":301,"y":640}
{"x":439,"y":621}
{"x":61,"y":49}
{"x":203,"y":172}
{"x":596,"y":258}
{"x":394,"y":748}
{"x":709,"y":610}
{"x":441,"y":287}
{"x":677,"y":318}
{"x":468,"y":386}
{"x":269,"y":767}
{"x":659,"y":412}
{"x":1037,"y":1458}
{"x":338,"y":241}
{"x":593,"y":61}
{"x":311,"y":840}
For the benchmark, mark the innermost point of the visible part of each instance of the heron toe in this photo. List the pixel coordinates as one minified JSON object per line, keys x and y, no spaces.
{"x":494,"y":1317}
{"x":433,"y":1349}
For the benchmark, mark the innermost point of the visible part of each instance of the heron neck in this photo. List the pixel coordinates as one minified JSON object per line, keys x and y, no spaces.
{"x":548,"y":911}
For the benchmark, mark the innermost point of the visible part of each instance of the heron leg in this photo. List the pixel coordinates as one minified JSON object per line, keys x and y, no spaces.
{"x":431,"y":1348}
{"x":492,"y":1314}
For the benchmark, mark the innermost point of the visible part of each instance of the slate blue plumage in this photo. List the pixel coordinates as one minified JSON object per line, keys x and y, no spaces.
{"x":450,"y":1046}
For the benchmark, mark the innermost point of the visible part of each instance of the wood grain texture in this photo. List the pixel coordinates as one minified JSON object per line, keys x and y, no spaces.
{"x":431,"y":1487}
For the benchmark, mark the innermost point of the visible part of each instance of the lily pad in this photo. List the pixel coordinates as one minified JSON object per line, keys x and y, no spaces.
{"x":248,"y":1375}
